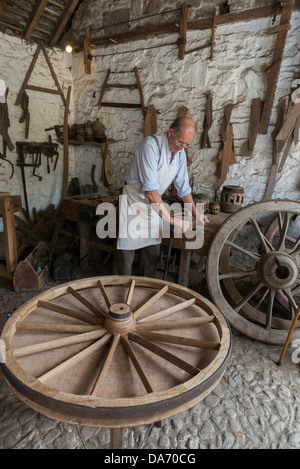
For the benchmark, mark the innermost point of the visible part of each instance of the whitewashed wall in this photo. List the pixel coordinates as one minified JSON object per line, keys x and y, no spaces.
{"x":45,"y":110}
{"x":234,"y":76}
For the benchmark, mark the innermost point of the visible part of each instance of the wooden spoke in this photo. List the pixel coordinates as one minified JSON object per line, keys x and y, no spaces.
{"x":70,"y":312}
{"x":86,"y":303}
{"x":168,"y":311}
{"x":136,"y":364}
{"x":238,"y":275}
{"x":150,"y":302}
{"x":248,"y":297}
{"x":262,"y":298}
{"x":283,"y":232}
{"x":53,"y":344}
{"x":293,"y":304}
{"x":103,"y":291}
{"x":267,"y":246}
{"x":151,"y":326}
{"x":181,"y":340}
{"x":105,"y":368}
{"x":75,"y":359}
{"x":254,"y":256}
{"x":271,"y":295}
{"x":63,"y":328}
{"x":130,"y":293}
{"x":183,"y":365}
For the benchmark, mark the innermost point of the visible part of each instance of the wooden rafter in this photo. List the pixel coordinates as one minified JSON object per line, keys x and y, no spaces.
{"x":2,"y":6}
{"x":170,"y":28}
{"x":34,"y":18}
{"x":67,"y":12}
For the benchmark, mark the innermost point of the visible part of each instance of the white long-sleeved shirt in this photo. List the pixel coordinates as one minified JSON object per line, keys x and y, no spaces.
{"x":148,"y":160}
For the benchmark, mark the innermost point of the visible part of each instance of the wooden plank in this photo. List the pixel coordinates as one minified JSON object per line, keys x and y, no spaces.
{"x":34,"y":18}
{"x":63,"y":19}
{"x":104,"y":85}
{"x":28,"y":75}
{"x":87,"y":52}
{"x":255,"y":118}
{"x":136,"y":72}
{"x":213,"y":35}
{"x":182,"y":31}
{"x":275,"y":69}
{"x":42,"y":90}
{"x":10,"y":241}
{"x":66,"y":148}
{"x":2,"y":6}
{"x":53,"y":73}
{"x":288,"y":126}
{"x":170,"y":28}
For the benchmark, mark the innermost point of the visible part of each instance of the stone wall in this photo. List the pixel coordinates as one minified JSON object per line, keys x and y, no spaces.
{"x":233,"y":76}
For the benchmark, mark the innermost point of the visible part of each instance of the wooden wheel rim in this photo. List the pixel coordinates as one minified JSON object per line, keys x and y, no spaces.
{"x":103,"y":411}
{"x":217,"y":256}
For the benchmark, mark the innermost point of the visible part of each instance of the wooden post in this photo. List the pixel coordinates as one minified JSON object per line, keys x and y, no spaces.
{"x":7,"y":212}
{"x":66,"y":147}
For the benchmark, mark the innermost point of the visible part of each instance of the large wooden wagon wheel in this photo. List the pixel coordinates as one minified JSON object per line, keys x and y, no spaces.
{"x":245,"y":269}
{"x":115,"y":351}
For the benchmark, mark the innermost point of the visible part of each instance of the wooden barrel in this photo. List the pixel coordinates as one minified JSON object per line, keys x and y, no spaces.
{"x":115,"y":351}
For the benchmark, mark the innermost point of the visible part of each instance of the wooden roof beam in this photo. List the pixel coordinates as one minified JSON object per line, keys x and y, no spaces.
{"x":34,"y":18}
{"x":2,"y":6}
{"x":67,"y":12}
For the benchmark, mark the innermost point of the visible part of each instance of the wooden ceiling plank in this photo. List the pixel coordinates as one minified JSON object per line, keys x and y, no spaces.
{"x":67,"y":12}
{"x":34,"y":18}
{"x":2,"y":6}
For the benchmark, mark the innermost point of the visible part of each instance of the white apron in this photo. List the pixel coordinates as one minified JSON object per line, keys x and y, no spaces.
{"x":139,"y":224}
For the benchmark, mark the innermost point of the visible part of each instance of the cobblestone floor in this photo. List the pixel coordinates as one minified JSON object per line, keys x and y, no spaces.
{"x":255,"y":406}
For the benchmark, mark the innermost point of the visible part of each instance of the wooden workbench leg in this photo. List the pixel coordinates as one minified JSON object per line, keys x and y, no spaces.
{"x":184,"y":268}
{"x":84,"y":242}
{"x":117,"y":438}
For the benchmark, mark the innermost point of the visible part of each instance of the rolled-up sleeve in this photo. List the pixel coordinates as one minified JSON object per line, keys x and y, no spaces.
{"x":147,"y":165}
{"x":181,"y":180}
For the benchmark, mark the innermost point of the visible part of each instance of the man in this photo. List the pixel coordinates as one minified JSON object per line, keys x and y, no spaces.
{"x":159,"y":161}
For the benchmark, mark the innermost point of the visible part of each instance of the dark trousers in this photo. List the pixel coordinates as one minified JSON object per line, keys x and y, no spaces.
{"x":147,"y":261}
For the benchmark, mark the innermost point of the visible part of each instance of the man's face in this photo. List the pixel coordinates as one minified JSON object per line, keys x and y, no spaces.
{"x":180,"y":140}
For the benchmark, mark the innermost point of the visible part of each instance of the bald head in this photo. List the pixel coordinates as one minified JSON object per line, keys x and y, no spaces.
{"x":181,"y":133}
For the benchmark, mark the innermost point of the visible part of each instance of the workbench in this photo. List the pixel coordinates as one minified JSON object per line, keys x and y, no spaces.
{"x":82,"y":210}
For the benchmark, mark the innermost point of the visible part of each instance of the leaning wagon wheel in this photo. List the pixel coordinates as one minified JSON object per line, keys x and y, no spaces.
{"x":245,"y":270}
{"x":115,"y":351}
{"x":272,"y":231}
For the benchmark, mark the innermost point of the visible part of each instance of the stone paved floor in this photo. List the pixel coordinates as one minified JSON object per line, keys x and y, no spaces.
{"x":255,"y":406}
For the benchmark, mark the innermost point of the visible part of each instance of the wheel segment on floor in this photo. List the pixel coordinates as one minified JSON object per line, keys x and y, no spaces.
{"x":115,"y":351}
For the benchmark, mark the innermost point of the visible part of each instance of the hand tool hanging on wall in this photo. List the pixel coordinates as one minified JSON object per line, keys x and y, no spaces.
{"x":182,"y":112}
{"x":273,"y":69}
{"x":281,"y":110}
{"x":207,"y":123}
{"x":256,"y":109}
{"x":87,"y":56}
{"x":26,"y":114}
{"x":226,"y":156}
{"x":34,"y":151}
{"x":5,"y":122}
{"x":150,"y":124}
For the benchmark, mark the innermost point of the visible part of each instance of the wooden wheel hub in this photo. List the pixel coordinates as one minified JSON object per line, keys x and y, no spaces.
{"x":120,"y":319}
{"x":277,"y":270}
